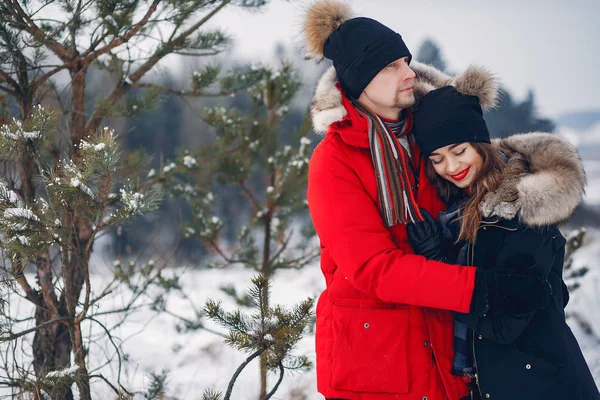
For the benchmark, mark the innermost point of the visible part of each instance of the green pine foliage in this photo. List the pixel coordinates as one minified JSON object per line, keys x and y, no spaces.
{"x":82,"y":187}
{"x":268,"y":332}
{"x":248,"y":155}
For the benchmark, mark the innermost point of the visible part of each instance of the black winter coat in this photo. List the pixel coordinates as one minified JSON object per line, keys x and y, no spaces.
{"x":535,"y":356}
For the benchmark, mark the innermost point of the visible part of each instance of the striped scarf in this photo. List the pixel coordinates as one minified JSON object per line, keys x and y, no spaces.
{"x":396,"y":177}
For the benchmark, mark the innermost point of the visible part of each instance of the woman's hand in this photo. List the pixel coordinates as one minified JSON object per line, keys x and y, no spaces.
{"x":426,"y":237}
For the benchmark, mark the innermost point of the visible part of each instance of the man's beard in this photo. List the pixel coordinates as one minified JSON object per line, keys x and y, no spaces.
{"x":404,"y":101}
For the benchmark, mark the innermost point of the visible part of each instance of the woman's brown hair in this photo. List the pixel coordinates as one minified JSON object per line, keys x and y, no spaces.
{"x":487,"y":180}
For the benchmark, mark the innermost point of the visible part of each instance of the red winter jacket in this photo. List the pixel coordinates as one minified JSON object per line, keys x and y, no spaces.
{"x":382,"y":329}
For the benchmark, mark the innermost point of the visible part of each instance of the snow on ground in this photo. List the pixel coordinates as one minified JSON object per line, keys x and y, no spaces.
{"x":586,"y":300}
{"x":196,"y":360}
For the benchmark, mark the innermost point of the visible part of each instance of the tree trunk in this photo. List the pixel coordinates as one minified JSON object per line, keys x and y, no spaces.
{"x":76,"y":280}
{"x":266,"y":272}
{"x":54,"y":343}
{"x":51,"y":344}
{"x":78,"y":103}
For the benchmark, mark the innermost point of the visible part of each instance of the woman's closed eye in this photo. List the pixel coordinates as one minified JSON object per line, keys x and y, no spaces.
{"x":436,"y":162}
{"x":462,"y":151}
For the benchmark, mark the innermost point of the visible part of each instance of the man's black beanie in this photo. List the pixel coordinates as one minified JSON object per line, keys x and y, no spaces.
{"x":359,"y":49}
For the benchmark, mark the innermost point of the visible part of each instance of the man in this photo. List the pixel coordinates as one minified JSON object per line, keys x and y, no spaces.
{"x":383,"y":329}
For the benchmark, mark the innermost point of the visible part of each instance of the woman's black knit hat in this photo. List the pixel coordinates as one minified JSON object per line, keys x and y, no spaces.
{"x":445,"y":116}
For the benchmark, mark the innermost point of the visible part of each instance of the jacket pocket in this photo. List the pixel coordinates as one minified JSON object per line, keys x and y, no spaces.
{"x":370,"y":351}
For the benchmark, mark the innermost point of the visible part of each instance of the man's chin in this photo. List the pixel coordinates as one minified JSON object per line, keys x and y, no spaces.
{"x":407,"y":102}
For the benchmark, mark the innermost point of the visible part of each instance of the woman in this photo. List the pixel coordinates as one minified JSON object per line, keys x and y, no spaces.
{"x":533,"y":356}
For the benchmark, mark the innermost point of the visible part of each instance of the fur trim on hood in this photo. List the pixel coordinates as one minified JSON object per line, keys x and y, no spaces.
{"x":326,"y":107}
{"x":543,"y":181}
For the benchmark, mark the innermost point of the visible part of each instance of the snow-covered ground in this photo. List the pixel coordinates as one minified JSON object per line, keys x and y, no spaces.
{"x":585,"y":300}
{"x":196,"y":360}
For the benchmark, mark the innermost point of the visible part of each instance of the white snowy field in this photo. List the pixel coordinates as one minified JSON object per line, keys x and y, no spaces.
{"x":197,"y":360}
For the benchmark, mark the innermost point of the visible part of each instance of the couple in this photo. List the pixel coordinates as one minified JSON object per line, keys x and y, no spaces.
{"x":470,"y":306}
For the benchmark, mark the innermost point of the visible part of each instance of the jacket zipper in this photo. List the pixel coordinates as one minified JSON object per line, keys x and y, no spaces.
{"x":472,"y":249}
{"x":476,"y":369}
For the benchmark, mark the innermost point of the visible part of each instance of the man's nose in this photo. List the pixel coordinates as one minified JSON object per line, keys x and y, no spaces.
{"x":408,"y":73}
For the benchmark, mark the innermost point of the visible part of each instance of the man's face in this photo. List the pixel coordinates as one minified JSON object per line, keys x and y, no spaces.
{"x":391,"y":90}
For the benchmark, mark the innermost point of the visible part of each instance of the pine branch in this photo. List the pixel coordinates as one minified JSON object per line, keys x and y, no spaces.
{"x":272,"y":392}
{"x":114,"y":389}
{"x":282,"y":248}
{"x":8,"y":91}
{"x":30,"y":294}
{"x":28,"y":25}
{"x":255,"y":204}
{"x":6,"y":78}
{"x":230,"y":261}
{"x":90,"y":56}
{"x":37,"y":84}
{"x":12,"y":336}
{"x":181,"y":93}
{"x":166,"y":48}
{"x":239,"y":370}
{"x":109,"y":335}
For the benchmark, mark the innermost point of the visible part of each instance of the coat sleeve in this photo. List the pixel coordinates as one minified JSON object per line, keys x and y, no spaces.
{"x":348,"y":223}
{"x":528,"y":251}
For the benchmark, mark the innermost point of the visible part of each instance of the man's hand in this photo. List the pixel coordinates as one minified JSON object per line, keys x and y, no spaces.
{"x":426,"y":237}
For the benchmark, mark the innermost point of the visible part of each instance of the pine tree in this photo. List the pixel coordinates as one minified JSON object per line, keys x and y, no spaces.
{"x":127,"y":41}
{"x":430,"y":53}
{"x":45,"y":230}
{"x":249,"y":156}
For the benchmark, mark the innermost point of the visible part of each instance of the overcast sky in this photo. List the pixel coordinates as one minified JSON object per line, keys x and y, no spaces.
{"x":551,"y":46}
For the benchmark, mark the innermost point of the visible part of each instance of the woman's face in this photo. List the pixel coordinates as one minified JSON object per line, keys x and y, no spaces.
{"x":457,"y":163}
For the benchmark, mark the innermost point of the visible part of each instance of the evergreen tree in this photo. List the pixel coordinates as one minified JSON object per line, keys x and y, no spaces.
{"x":511,"y":117}
{"x":430,"y":53}
{"x":44,"y":231}
{"x":249,"y":157}
{"x":127,"y":41}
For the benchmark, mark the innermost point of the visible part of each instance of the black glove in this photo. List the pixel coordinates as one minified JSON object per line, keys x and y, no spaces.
{"x":426,"y":237}
{"x":507,"y":292}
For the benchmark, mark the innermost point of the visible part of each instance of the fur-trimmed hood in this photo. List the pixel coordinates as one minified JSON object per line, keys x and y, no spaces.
{"x":543,"y":181}
{"x":327,"y":108}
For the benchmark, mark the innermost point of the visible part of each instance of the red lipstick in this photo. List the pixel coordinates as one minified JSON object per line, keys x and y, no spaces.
{"x":461,"y":175}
